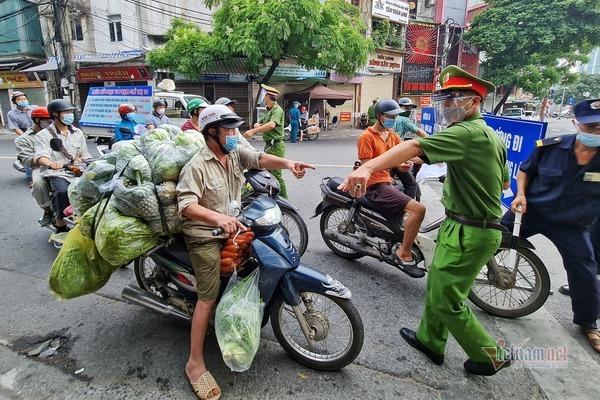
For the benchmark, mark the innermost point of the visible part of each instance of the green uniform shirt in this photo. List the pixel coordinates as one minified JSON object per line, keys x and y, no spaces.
{"x":371,"y":114}
{"x":276,"y":115}
{"x":477,"y":168}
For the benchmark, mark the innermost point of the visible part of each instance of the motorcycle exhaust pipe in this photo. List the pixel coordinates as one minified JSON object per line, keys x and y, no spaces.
{"x":352,"y":243}
{"x":142,"y":298}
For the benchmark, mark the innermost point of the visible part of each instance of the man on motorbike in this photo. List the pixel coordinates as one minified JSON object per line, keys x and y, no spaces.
{"x":373,"y":142}
{"x":157,"y":117}
{"x":194,"y":108}
{"x":25,"y":154}
{"x":229,"y":104}
{"x":558,"y":190}
{"x":125,"y":130}
{"x":471,"y":233}
{"x":51,"y":162}
{"x":208,"y":185}
{"x":19,"y":119}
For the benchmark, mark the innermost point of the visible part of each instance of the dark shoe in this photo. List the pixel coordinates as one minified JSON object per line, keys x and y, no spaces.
{"x":411,"y":338}
{"x":564,"y":289}
{"x":61,"y":229}
{"x":46,"y":219}
{"x":484,"y":368}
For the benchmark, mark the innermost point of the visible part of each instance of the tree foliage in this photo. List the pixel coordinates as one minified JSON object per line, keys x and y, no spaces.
{"x":587,"y":86}
{"x":329,"y":35}
{"x":532,"y":43}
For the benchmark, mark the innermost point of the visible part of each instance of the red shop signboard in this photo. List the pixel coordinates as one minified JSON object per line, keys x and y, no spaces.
{"x":107,"y":74}
{"x":418,"y":74}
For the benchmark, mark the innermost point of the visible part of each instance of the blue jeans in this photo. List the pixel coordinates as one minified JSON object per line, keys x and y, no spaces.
{"x":28,"y":172}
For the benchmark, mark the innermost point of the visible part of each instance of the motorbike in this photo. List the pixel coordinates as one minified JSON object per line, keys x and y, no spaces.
{"x":259,"y":182}
{"x":352,"y":229}
{"x":306,"y":131}
{"x":311,"y":313}
{"x":364,"y":121}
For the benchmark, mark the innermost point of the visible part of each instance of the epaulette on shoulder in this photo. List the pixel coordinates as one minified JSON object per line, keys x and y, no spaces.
{"x":548,"y":141}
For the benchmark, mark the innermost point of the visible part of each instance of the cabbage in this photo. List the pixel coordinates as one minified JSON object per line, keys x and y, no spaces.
{"x":136,"y":201}
{"x":190,"y":137}
{"x":78,"y":269}
{"x":127,"y":151}
{"x":138,"y":169}
{"x":154,"y":135}
{"x":121,"y":239}
{"x":82,"y":195}
{"x":172,"y":130}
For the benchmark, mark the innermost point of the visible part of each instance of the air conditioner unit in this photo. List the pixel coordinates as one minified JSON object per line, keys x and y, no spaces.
{"x":429,"y":3}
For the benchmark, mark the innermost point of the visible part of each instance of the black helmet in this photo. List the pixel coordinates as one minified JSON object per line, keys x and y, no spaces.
{"x":58,"y":105}
{"x":15,"y":95}
{"x":159,"y":103}
{"x":387,"y":106}
{"x":406,"y":102}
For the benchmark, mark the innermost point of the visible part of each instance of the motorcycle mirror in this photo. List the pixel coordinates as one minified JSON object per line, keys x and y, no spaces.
{"x":56,"y":144}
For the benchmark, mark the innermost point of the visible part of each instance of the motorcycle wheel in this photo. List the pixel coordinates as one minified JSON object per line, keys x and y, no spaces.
{"x":312,"y":136}
{"x":319,"y":310}
{"x":296,"y":229}
{"x":333,"y":218}
{"x":145,"y":268}
{"x":287,"y":134}
{"x":529,"y":293}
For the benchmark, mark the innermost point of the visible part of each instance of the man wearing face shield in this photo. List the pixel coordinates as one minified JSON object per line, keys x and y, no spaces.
{"x":559,"y":193}
{"x":207,"y":186}
{"x":471,"y":233}
{"x":404,"y":127}
{"x":373,"y":142}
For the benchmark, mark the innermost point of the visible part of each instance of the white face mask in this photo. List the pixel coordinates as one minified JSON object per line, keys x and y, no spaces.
{"x":456,"y":113}
{"x":160,"y":111}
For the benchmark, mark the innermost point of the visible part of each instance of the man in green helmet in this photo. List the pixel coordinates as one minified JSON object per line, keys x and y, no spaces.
{"x":194,"y":108}
{"x":271,"y":126}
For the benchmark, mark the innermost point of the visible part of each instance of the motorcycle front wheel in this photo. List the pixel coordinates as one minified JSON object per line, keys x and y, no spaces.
{"x":499,"y":293}
{"x":335,"y":323}
{"x":296,"y":229}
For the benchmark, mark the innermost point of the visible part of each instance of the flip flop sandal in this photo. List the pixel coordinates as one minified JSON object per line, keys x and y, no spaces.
{"x":594,"y":339}
{"x":409,"y":267}
{"x":204,"y":386}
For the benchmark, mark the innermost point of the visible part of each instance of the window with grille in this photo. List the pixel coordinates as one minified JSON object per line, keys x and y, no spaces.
{"x":76,"y":30}
{"x":114,"y":27}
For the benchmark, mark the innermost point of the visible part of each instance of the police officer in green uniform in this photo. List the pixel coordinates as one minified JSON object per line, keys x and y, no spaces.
{"x":271,"y":125}
{"x":471,"y":233}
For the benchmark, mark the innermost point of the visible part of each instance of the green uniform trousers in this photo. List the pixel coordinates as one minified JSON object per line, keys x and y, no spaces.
{"x":460,"y":254}
{"x":277,"y":148}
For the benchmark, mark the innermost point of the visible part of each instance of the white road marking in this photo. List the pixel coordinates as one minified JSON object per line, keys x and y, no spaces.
{"x":333,"y":166}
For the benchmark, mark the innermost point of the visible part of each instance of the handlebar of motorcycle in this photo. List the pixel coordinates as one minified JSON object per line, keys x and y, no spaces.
{"x":220,"y":231}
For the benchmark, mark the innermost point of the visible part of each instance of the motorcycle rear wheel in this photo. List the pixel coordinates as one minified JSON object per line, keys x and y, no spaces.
{"x":333,"y":218}
{"x":318,"y":357}
{"x":532,"y":278}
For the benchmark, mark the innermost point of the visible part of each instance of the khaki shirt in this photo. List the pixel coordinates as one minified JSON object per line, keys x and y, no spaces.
{"x":74,"y":143}
{"x":26,"y":147}
{"x":204,"y":181}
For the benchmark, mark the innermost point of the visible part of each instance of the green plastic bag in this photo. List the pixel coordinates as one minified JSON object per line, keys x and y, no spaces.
{"x":238,"y":321}
{"x":78,"y":269}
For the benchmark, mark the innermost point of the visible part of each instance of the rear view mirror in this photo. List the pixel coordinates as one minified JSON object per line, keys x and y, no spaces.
{"x":185,"y":114}
{"x":56,"y":144}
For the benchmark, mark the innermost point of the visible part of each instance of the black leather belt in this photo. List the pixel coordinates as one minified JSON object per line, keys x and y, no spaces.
{"x":485,"y":224}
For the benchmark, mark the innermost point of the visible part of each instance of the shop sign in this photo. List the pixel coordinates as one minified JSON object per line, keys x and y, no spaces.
{"x":107,"y":74}
{"x":335,"y":77}
{"x":385,"y":62}
{"x":19,"y":80}
{"x":418,"y":75}
{"x":102,"y":103}
{"x":425,"y":101}
{"x":393,"y":10}
{"x":214,"y":77}
{"x":345,"y":116}
{"x":295,"y":71}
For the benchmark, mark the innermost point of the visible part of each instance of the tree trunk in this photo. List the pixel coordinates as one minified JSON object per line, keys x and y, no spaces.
{"x":543,"y":108}
{"x":507,"y":93}
{"x":272,"y":68}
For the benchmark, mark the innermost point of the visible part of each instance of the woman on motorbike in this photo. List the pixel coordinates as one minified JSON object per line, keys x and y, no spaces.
{"x":125,"y":130}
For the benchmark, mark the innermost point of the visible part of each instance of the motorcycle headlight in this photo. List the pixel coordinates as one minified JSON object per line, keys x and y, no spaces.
{"x":272,"y":216}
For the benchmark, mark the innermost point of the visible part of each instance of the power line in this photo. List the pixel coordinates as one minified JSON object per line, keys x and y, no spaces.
{"x":183,"y":8}
{"x":169,"y":13}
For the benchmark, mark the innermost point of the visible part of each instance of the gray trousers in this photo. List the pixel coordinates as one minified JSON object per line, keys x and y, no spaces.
{"x":40,"y":190}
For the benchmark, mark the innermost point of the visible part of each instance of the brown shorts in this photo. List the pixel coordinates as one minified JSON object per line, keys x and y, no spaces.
{"x":387,"y":199}
{"x":205,"y":255}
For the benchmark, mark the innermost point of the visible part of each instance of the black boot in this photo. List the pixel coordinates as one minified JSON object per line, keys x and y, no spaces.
{"x":564,"y":289}
{"x":484,"y":368}
{"x":411,"y":338}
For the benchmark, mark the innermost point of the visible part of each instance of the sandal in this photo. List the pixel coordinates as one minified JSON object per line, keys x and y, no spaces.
{"x":204,"y":386}
{"x":593,"y":336}
{"x":408,"y":267}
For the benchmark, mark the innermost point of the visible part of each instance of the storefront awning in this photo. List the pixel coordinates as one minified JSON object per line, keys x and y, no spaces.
{"x":50,"y":65}
{"x":107,"y":58}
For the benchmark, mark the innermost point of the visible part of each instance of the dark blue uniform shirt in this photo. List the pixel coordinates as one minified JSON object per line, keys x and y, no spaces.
{"x":561,"y":191}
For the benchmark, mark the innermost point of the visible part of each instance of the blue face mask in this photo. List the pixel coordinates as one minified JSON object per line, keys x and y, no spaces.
{"x":589,"y":139}
{"x":130,"y":116}
{"x":67,"y":119}
{"x":23,"y":103}
{"x":231,"y":143}
{"x":388,"y":122}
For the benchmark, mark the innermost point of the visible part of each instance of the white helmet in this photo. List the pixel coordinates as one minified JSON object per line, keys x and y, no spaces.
{"x":219,"y":115}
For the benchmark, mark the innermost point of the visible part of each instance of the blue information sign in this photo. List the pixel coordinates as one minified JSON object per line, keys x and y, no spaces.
{"x":428,"y":120}
{"x":102,"y":104}
{"x":571,"y":101}
{"x":520,"y":137}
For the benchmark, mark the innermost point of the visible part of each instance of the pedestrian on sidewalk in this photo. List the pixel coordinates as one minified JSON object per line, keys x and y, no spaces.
{"x":471,"y":233}
{"x":294,"y":122}
{"x":559,"y":193}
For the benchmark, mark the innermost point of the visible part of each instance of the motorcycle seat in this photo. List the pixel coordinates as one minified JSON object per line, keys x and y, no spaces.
{"x":333,"y":183}
{"x":178,"y":249}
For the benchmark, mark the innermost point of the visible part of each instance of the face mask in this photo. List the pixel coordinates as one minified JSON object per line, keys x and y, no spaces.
{"x":388,"y":123}
{"x":44,"y":124}
{"x":231,"y":143}
{"x":23,"y":103}
{"x":455,"y":113}
{"x":160,"y":111}
{"x":589,"y":139}
{"x":405,"y":113}
{"x":130,"y":116}
{"x":67,"y":119}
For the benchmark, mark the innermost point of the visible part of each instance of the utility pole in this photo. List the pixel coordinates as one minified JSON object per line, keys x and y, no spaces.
{"x":66,"y":68}
{"x":562,"y":101}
